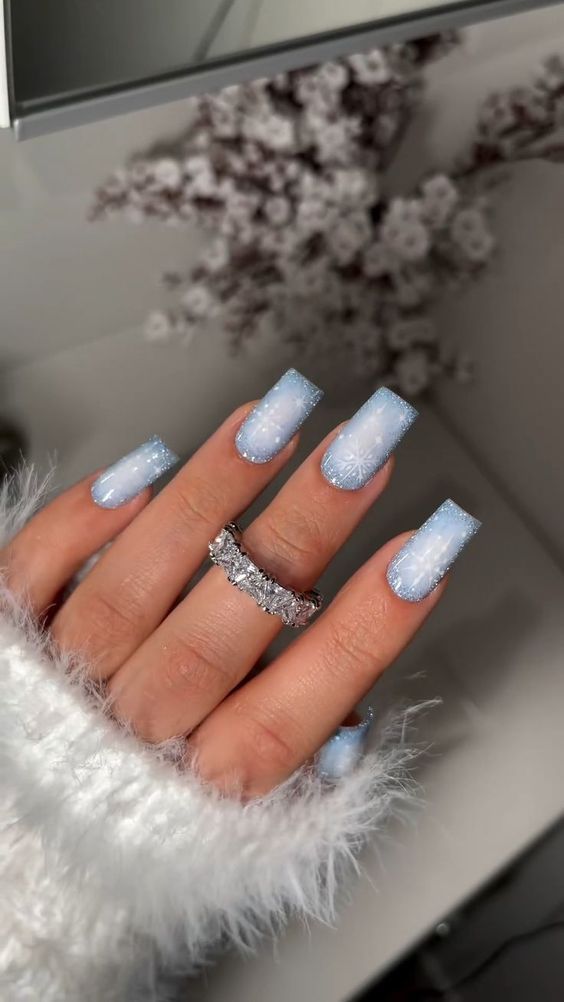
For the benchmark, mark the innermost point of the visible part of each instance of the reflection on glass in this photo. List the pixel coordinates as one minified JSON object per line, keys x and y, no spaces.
{"x":67,"y":49}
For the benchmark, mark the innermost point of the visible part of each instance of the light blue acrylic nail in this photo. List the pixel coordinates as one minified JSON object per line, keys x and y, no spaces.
{"x":431,"y":551}
{"x":367,"y":441}
{"x":341,"y":753}
{"x":122,"y":482}
{"x":277,"y":417}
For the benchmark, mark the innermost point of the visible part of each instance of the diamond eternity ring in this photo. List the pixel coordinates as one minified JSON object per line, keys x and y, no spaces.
{"x":293,"y":607}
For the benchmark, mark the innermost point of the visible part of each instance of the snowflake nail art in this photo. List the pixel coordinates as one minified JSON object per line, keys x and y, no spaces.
{"x":366,"y":442}
{"x":424,"y":560}
{"x":277,"y":417}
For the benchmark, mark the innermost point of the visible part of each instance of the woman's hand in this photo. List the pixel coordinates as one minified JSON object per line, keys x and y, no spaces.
{"x":182,"y":667}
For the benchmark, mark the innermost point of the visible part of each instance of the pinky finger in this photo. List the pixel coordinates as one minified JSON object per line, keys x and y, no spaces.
{"x":270,"y":727}
{"x":55,"y":543}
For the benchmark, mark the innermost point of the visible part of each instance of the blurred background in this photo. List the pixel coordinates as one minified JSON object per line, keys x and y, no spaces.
{"x":466,"y":897}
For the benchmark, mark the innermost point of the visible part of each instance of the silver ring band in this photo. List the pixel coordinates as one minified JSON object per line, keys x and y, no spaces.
{"x":293,"y":607}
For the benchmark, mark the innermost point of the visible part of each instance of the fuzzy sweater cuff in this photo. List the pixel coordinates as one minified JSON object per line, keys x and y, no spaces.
{"x":118,"y":871}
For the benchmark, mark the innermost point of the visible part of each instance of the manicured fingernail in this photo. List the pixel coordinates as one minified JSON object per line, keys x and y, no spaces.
{"x":277,"y":417}
{"x":367,"y":441}
{"x":431,"y":551}
{"x":339,"y":755}
{"x":122,"y":482}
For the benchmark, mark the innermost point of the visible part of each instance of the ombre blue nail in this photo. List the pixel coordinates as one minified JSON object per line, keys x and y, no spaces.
{"x":341,"y":753}
{"x":126,"y":479}
{"x":367,"y":441}
{"x":277,"y":417}
{"x":425,"y":559}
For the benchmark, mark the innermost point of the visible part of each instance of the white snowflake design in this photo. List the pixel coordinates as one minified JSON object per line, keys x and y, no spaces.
{"x":277,"y":417}
{"x":427,"y":556}
{"x":366,"y":442}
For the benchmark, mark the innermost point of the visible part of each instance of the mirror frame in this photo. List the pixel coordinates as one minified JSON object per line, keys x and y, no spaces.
{"x":221,"y":72}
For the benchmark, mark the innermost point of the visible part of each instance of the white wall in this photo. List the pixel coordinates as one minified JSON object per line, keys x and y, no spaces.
{"x":64,"y":281}
{"x":512,"y":321}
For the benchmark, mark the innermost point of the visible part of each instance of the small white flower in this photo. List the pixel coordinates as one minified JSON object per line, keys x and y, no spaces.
{"x":116,"y":184}
{"x":551,"y":75}
{"x":167,"y":174}
{"x":307,"y":88}
{"x":440,"y":196}
{"x":281,"y":81}
{"x":333,"y":75}
{"x":349,"y":235}
{"x":277,"y":210}
{"x":497,"y":114}
{"x":157,"y":327}
{"x":535,"y":106}
{"x":241,"y":207}
{"x":312,"y":215}
{"x":139,"y":173}
{"x":197,"y":164}
{"x":469,"y":231}
{"x":412,"y":371}
{"x":370,"y":67}
{"x":198,"y":301}
{"x":216,"y":257}
{"x":225,"y":121}
{"x":186,"y":211}
{"x":201,"y":140}
{"x":203,"y":185}
{"x":335,"y":141}
{"x":354,"y":186}
{"x":274,"y":131}
{"x":403,"y":232}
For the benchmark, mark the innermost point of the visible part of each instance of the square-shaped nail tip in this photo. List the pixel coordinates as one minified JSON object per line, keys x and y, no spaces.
{"x":425,"y":559}
{"x":125,"y":479}
{"x":344,"y":749}
{"x":277,"y":417}
{"x":366,"y":442}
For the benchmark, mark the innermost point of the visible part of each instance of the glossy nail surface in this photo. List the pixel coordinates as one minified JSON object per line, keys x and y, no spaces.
{"x":425,"y":559}
{"x":366,"y":442}
{"x":340,"y":754}
{"x":122,"y":482}
{"x":277,"y":417}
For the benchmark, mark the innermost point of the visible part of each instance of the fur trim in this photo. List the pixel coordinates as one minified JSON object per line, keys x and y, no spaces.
{"x":118,"y":870}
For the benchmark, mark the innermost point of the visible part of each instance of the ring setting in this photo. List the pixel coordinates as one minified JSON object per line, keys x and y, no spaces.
{"x":294,"y":608}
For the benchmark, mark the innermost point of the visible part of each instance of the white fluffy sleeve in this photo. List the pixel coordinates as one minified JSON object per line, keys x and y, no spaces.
{"x":118,"y":871}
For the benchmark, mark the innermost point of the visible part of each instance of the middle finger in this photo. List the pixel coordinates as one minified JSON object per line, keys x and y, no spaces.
{"x":208,"y":644}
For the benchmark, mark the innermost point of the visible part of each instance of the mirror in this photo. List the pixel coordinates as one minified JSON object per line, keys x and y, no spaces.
{"x":85,"y":56}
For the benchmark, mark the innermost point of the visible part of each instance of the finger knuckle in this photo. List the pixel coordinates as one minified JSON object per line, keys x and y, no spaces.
{"x":191,"y":665}
{"x":198,"y":505}
{"x":111,"y":616}
{"x":266,"y":747}
{"x":351,"y":647}
{"x":294,"y":537}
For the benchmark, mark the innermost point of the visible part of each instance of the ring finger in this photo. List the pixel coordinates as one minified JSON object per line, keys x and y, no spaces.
{"x":209,"y":643}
